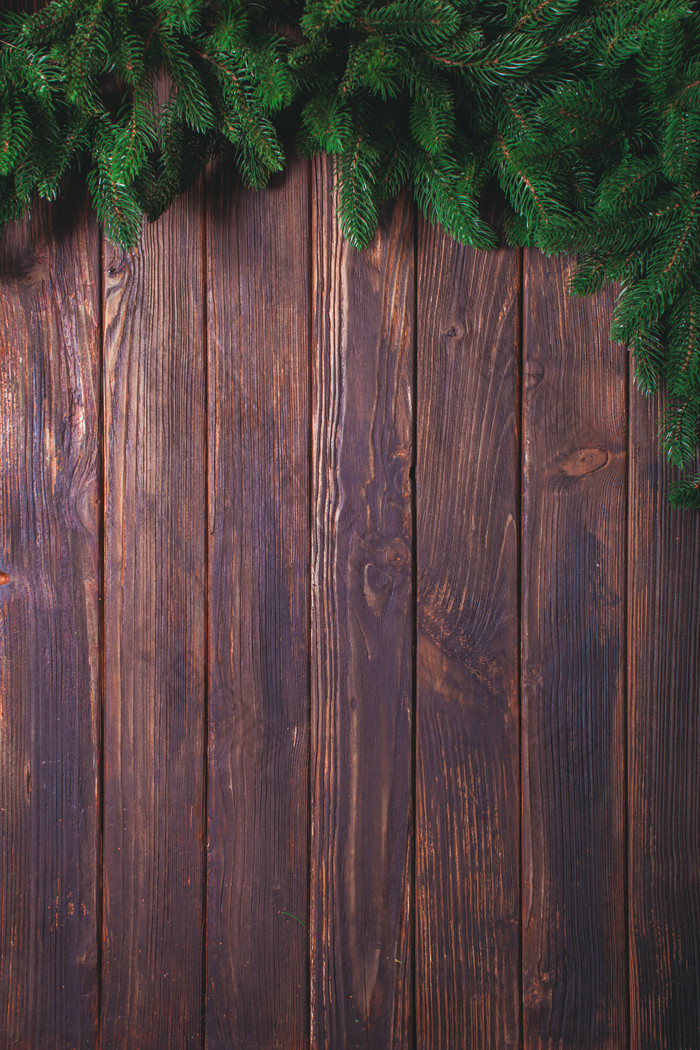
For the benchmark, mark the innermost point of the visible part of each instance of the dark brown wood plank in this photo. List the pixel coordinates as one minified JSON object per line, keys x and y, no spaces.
{"x":49,"y":628}
{"x":573,"y":743}
{"x":361,"y":630}
{"x":664,"y":749}
{"x":467,"y":712}
{"x":257,"y":958}
{"x":155,"y":651}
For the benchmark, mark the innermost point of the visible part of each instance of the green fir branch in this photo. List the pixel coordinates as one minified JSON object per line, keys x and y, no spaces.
{"x":584,"y":114}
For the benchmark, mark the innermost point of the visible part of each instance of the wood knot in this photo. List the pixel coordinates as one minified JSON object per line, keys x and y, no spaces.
{"x":585,"y":461}
{"x":397,"y":554}
{"x":533,"y":375}
{"x":4,"y":578}
{"x":119,"y":264}
{"x":377,"y":588}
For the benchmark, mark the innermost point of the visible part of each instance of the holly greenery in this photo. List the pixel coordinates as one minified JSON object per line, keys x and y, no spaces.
{"x":586,"y":114}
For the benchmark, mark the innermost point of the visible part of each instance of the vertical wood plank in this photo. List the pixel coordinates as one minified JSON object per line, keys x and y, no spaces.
{"x":257,"y":960}
{"x":49,"y":628}
{"x":155,"y":652}
{"x":361,"y":630}
{"x":664,"y":749}
{"x":467,"y":712}
{"x":574,"y":541}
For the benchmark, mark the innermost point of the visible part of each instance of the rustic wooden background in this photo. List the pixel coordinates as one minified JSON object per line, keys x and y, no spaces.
{"x":349,"y":652}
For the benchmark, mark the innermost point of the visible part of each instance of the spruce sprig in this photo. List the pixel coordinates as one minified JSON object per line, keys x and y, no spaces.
{"x":584,"y":115}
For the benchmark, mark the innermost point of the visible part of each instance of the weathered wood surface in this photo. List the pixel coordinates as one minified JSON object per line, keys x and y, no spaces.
{"x":386,"y":731}
{"x":664,"y":750}
{"x":154,"y":635}
{"x":49,"y":630}
{"x":361,"y":627}
{"x":258,"y":324}
{"x":573,"y":667}
{"x":467,"y":704}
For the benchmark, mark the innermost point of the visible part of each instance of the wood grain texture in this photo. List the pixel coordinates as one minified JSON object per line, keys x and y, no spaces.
{"x":49,"y":629}
{"x":258,"y":263}
{"x":467,"y":765}
{"x":287,"y":780}
{"x":155,"y":652}
{"x":573,"y":669}
{"x":664,"y":749}
{"x":361,"y":630}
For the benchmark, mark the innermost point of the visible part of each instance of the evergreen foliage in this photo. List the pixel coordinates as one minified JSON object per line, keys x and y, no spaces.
{"x":586,"y":114}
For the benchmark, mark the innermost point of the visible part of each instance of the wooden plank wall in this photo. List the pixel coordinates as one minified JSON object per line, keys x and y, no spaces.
{"x":349,"y":653}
